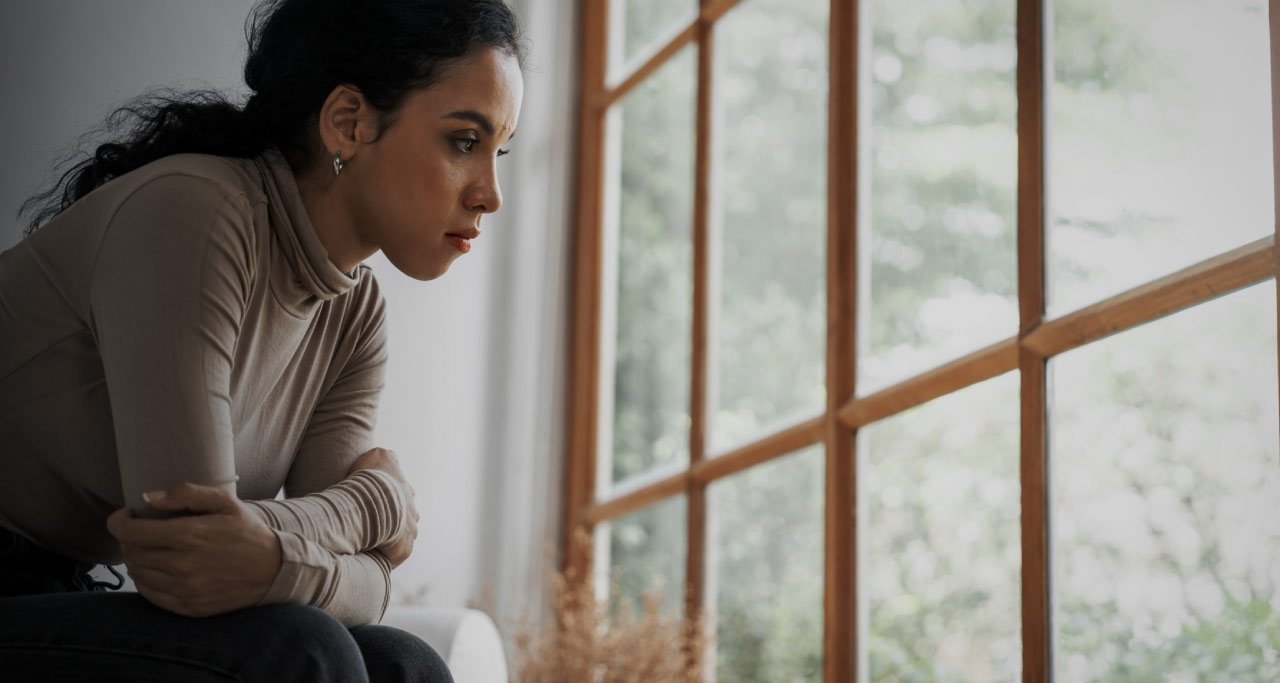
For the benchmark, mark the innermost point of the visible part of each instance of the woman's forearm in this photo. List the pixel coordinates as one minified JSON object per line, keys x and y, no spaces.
{"x":359,"y":513}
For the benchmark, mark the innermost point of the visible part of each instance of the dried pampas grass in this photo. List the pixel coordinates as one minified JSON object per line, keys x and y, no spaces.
{"x":582,"y":643}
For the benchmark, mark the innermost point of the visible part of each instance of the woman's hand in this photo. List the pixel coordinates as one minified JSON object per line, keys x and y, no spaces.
{"x":218,"y":559}
{"x":398,"y":549}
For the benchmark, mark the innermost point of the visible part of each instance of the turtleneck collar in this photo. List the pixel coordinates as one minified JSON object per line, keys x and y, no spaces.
{"x":312,"y":269}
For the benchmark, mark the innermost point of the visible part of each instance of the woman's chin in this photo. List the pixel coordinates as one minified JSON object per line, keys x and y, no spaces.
{"x":432,"y":271}
{"x":426,"y":275}
{"x":422,"y":270}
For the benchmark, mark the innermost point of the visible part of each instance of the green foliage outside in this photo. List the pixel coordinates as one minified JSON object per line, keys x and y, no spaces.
{"x":654,"y":281}
{"x":941,"y":556}
{"x":1162,"y":572}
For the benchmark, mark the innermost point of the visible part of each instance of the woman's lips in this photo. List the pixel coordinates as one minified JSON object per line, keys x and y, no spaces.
{"x":459,"y":242}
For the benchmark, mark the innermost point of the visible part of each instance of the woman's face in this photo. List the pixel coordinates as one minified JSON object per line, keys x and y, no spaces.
{"x":423,"y":185}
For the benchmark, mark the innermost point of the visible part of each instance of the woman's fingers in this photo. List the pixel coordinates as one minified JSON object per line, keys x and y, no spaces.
{"x":155,"y":533}
{"x":199,"y":582}
{"x":151,"y":577}
{"x":398,"y":549}
{"x":170,"y":562}
{"x":375,"y":459}
{"x":178,"y":532}
{"x":173,"y":592}
{"x":198,"y":565}
{"x":118,"y":518}
{"x":191,"y":497}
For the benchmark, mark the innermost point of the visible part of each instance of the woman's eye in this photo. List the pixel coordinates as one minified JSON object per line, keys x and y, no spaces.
{"x":465,"y":144}
{"x":503,"y":152}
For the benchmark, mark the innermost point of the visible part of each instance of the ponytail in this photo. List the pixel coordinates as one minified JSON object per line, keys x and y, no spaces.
{"x":152,"y":126}
{"x":299,"y":51}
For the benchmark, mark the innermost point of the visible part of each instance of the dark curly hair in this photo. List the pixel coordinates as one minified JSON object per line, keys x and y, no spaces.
{"x":299,"y":51}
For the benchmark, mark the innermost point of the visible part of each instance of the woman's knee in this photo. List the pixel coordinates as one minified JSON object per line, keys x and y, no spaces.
{"x":391,"y":654}
{"x":307,"y":644}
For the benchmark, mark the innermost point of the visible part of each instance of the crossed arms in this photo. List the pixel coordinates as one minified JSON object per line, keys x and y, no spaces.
{"x":167,"y":330}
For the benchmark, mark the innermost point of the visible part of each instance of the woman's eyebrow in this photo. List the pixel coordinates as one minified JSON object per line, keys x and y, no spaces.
{"x":477,"y":118}
{"x":474,"y":117}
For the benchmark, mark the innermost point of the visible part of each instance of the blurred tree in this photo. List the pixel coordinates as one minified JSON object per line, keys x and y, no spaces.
{"x":940,"y":249}
{"x":655,"y":280}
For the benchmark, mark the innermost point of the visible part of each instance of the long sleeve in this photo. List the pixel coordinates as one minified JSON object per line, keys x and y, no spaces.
{"x":354,"y":589}
{"x":359,"y":513}
{"x":168,"y":292}
{"x":328,"y":516}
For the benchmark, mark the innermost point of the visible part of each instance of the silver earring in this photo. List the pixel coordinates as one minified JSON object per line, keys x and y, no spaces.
{"x":337,"y":164}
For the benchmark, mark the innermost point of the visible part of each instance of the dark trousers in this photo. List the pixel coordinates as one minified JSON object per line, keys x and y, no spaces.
{"x":58,"y":625}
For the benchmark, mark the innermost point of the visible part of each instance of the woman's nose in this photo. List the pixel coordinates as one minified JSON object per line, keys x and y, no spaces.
{"x":486,"y":195}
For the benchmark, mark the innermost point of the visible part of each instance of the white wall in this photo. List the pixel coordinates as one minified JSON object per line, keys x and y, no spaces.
{"x":474,"y":392}
{"x":65,"y":65}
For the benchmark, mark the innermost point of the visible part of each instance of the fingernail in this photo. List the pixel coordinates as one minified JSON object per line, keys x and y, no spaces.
{"x":153,"y":496}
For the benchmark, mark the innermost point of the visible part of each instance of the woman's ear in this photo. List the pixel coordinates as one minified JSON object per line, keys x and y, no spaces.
{"x":347,"y":120}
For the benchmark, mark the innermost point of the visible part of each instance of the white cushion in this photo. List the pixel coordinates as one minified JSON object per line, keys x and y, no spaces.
{"x":467,"y":639}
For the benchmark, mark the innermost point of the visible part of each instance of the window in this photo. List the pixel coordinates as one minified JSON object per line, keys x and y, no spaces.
{"x":933,"y":341}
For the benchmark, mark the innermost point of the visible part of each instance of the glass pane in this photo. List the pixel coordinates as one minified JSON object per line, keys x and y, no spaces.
{"x":645,"y":554}
{"x":767,"y":566}
{"x":1160,"y":140}
{"x":941,"y":242}
{"x":651,"y":205}
{"x":1166,"y":505}
{"x":770,"y":198}
{"x":640,"y":27}
{"x":942,"y":559}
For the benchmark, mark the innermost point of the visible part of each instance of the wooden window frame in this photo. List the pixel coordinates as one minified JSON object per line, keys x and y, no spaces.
{"x":1036,"y":342}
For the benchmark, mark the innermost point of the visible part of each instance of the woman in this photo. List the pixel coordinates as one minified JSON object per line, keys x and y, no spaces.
{"x":191,"y":329}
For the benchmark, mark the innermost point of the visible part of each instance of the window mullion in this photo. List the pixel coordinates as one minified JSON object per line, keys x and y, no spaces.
{"x":696,"y":557}
{"x":840,"y":604}
{"x":1033,"y":60}
{"x":582,"y":391}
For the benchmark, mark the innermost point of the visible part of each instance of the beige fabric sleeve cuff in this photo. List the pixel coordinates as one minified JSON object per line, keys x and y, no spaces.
{"x":354,"y":589}
{"x":357,"y":514}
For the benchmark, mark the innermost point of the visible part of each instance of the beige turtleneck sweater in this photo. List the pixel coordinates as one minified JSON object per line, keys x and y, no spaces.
{"x":183,"y":323}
